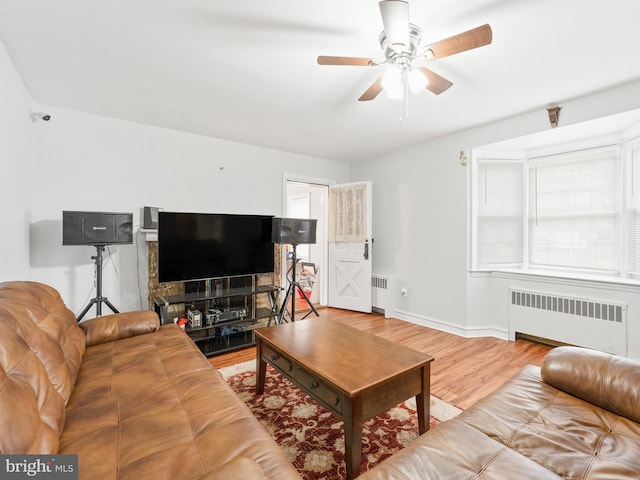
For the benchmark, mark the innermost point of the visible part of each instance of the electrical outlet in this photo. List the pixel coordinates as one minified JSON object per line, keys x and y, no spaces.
{"x":404,"y":292}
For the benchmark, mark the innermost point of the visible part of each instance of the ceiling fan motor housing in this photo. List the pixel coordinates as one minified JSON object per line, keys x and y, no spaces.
{"x":415,"y":35}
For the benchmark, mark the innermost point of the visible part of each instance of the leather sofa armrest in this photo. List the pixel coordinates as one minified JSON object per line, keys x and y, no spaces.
{"x":608,"y":381}
{"x":240,"y":468}
{"x":119,"y":325}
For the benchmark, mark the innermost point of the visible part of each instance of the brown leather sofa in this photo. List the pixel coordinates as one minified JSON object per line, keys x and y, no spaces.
{"x":576,"y":417}
{"x":132,"y":399}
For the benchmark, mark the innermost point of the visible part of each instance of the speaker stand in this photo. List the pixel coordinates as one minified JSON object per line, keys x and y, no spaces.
{"x":98,"y":300}
{"x":293,"y":286}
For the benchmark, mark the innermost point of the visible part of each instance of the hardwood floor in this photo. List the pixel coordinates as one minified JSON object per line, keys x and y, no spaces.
{"x":464,"y":369}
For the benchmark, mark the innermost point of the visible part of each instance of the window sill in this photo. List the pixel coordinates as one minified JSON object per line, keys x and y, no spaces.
{"x":571,"y":278}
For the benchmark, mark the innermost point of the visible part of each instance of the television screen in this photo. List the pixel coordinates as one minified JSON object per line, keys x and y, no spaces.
{"x":197,"y":246}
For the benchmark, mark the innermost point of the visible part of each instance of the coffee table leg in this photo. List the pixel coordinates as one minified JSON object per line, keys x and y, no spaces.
{"x":261,"y":368}
{"x":353,"y":437}
{"x":423,"y":401}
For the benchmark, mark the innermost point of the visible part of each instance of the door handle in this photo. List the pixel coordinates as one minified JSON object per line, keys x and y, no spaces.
{"x":366,"y":249}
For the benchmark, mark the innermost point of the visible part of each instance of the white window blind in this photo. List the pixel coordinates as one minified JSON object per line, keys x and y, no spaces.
{"x":500,"y":210}
{"x":574,"y":207}
{"x":634,"y":222}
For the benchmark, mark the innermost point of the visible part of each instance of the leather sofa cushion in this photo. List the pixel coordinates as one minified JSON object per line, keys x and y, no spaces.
{"x":41,"y":348}
{"x":151,"y":406}
{"x":37,"y":313}
{"x":525,"y":429}
{"x":454,"y":450}
{"x":241,"y":468}
{"x":609,"y":381}
{"x":568,"y":435}
{"x":31,"y":410}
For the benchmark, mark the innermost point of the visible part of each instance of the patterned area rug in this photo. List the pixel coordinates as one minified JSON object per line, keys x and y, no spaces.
{"x":311,"y":437}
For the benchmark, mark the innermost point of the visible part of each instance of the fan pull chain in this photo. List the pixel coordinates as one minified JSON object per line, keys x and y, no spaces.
{"x":405,"y":94}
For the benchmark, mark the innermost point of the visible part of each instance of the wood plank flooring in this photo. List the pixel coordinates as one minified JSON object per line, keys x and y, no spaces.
{"x":464,"y":369}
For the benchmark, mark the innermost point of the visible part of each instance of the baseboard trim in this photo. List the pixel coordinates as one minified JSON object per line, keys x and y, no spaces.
{"x":468,"y":332}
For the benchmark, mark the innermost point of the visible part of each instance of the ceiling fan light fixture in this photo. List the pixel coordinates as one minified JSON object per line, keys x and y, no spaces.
{"x":392,"y":82}
{"x":395,"y":77}
{"x":396,"y":93}
{"x":417,"y":81}
{"x":395,"y":18}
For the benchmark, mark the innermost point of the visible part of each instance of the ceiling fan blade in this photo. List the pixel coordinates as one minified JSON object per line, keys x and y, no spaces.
{"x":373,"y":91}
{"x":474,"y":38}
{"x":356,"y":61}
{"x":437,"y":84}
{"x":395,"y":18}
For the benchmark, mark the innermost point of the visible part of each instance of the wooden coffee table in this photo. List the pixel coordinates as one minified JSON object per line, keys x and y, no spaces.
{"x":354,"y":374}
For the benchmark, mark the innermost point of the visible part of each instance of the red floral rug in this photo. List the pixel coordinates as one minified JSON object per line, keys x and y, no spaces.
{"x":311,"y":437}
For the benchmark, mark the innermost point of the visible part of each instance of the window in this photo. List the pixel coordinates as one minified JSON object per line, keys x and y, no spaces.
{"x":634,"y":215}
{"x":573,"y":211}
{"x":499,"y":217}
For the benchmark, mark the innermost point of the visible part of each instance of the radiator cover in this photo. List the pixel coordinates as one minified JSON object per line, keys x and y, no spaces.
{"x":382,"y":290}
{"x":586,"y":322}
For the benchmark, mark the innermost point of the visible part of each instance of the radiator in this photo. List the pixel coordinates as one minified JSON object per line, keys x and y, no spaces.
{"x":586,"y":322}
{"x":382,"y":288}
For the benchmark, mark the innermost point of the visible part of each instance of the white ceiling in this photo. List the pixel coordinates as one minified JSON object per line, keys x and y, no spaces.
{"x":246,"y":70}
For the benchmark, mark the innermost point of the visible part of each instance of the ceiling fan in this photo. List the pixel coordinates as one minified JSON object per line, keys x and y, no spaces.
{"x":400,"y":42}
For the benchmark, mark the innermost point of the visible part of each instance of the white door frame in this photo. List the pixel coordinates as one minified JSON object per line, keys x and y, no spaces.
{"x":324,"y":268}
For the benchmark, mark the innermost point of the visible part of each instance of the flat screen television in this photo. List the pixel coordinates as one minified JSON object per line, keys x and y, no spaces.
{"x":198,"y":246}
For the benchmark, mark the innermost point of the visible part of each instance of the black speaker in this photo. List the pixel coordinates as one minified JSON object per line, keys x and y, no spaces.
{"x":150,"y":218}
{"x":96,"y":228}
{"x":293,"y":230}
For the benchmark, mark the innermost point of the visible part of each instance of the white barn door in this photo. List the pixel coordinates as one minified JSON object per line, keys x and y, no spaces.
{"x":350,"y":253}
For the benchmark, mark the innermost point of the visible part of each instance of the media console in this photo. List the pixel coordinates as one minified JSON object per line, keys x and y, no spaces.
{"x":228,"y":313}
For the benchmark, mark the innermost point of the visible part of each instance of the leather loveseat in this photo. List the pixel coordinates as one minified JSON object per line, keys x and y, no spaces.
{"x":576,"y":417}
{"x":132,"y":399}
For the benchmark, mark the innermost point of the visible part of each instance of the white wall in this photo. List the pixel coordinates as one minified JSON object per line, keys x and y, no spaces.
{"x":419,"y":222}
{"x":15,"y":171}
{"x":420,"y":197}
{"x":94,"y":163}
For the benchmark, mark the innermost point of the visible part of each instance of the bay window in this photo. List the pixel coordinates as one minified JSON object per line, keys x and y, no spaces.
{"x":575,"y":211}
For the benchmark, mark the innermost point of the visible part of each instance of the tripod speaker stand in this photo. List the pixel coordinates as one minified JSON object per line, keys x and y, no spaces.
{"x":293,"y":286}
{"x":98,"y":300}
